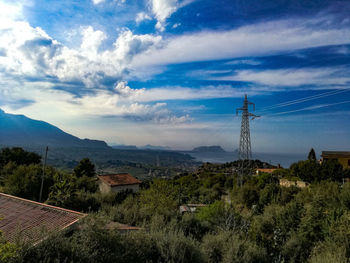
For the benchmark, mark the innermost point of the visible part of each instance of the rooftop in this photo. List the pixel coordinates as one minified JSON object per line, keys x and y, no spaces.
{"x":28,"y":220}
{"x":266,"y":170}
{"x":335,"y":153}
{"x":119,"y":179}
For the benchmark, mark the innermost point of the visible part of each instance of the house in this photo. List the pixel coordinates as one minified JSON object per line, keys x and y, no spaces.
{"x":118,"y":182}
{"x":31,"y":221}
{"x":342,"y":157}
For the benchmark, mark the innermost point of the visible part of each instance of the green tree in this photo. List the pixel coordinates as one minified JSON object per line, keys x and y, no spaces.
{"x":312,"y":155}
{"x":18,"y":156}
{"x":63,"y":192}
{"x":162,"y":197}
{"x":25,"y":181}
{"x":85,"y":168}
{"x":307,"y":171}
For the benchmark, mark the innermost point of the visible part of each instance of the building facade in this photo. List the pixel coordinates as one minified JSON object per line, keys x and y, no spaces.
{"x":342,"y":157}
{"x":118,"y":182}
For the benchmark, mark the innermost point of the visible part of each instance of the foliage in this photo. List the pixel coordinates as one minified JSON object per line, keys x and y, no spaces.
{"x":163,"y":197}
{"x":25,"y":180}
{"x":260,"y":222}
{"x":85,"y":168}
{"x":7,"y":250}
{"x":18,"y":156}
{"x":312,"y":155}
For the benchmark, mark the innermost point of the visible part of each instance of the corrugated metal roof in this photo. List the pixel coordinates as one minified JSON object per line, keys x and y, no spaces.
{"x":29,"y":220}
{"x":119,"y":179}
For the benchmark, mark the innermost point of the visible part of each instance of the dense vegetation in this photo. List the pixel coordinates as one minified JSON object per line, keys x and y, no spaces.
{"x":143,"y":163}
{"x":258,"y":222}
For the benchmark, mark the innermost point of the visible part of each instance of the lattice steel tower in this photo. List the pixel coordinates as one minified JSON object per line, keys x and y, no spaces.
{"x":245,"y":151}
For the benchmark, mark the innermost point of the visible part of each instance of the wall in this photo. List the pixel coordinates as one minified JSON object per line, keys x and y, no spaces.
{"x":344,"y":162}
{"x":134,"y":187}
{"x":104,"y":188}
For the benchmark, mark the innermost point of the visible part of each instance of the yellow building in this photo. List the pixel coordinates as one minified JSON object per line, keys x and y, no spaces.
{"x":342,"y":157}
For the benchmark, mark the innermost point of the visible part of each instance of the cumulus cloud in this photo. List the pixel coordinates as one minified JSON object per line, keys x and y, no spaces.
{"x":91,"y":41}
{"x":163,"y":9}
{"x":31,"y":52}
{"x":142,"y":16}
{"x":124,"y":90}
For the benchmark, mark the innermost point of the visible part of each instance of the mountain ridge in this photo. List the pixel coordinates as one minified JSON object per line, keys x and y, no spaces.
{"x":19,"y":130}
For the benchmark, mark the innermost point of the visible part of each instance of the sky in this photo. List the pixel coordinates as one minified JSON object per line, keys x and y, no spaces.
{"x":173,"y":72}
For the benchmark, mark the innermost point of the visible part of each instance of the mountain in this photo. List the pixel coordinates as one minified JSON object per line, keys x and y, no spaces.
{"x":19,"y":130}
{"x":216,"y":149}
{"x":156,"y":148}
{"x":124,"y":147}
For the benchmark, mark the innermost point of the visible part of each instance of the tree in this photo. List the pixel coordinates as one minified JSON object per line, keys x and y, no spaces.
{"x":18,"y":156}
{"x":85,"y":167}
{"x":307,"y":171}
{"x":25,"y":180}
{"x":312,"y":155}
{"x":63,"y":192}
{"x":162,"y":197}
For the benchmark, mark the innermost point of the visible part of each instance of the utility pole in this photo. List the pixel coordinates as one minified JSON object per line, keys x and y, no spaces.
{"x":43,"y":174}
{"x":245,"y":148}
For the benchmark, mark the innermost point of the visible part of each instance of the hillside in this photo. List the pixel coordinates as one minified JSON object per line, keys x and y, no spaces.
{"x":204,"y":149}
{"x":19,"y":130}
{"x":66,"y":150}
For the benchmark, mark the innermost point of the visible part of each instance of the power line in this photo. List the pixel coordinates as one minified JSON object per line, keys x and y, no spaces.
{"x":300,"y":100}
{"x":309,"y":108}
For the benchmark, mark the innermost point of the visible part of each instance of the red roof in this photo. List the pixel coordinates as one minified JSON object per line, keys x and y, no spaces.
{"x":266,"y":170}
{"x":26,"y":219}
{"x":119,"y":179}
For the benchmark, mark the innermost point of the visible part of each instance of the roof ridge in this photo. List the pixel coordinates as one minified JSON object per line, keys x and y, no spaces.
{"x":43,"y":204}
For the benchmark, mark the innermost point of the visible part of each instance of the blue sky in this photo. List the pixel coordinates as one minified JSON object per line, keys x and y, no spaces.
{"x":172,"y":72}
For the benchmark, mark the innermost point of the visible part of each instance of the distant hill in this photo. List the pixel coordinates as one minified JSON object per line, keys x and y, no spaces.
{"x":157,"y":148}
{"x":19,"y":130}
{"x":66,"y":150}
{"x":124,"y":147}
{"x":203,"y":149}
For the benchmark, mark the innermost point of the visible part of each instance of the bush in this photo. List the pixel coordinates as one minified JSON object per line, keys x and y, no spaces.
{"x":25,"y":181}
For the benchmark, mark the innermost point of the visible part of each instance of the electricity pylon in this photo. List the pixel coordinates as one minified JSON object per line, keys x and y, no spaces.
{"x":245,"y":148}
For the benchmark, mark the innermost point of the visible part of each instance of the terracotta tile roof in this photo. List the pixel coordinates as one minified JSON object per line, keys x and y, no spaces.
{"x":119,"y":179}
{"x":29,"y":220}
{"x":266,"y":170}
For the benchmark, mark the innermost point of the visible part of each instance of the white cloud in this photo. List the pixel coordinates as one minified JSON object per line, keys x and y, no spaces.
{"x":96,"y":2}
{"x":142,"y":16}
{"x":124,"y":90}
{"x":10,"y":11}
{"x":265,"y":38}
{"x":31,"y":52}
{"x":244,"y":61}
{"x":293,"y":77}
{"x":91,"y":41}
{"x":163,"y":9}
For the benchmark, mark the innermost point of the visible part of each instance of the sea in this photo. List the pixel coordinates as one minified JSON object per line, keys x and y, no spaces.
{"x":285,"y":160}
